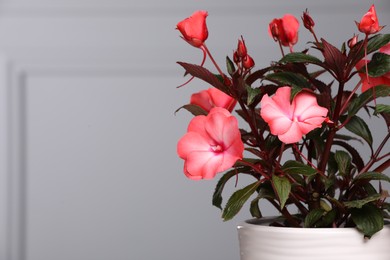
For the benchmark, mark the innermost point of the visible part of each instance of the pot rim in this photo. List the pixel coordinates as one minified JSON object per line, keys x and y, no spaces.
{"x":261,"y":224}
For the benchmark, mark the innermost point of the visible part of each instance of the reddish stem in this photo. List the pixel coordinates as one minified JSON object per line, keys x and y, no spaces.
{"x":204,"y":48}
{"x":201,"y":64}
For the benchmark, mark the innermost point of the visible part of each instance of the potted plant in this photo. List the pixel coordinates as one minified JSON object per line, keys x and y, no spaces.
{"x":297,"y":138}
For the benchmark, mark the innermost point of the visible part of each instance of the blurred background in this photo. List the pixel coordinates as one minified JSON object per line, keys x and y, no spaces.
{"x":88,"y":164}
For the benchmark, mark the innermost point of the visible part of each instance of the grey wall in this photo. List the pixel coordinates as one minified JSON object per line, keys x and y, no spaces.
{"x":88,"y":160}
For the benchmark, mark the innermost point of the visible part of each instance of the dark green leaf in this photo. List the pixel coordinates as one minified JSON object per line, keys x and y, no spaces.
{"x":377,"y":42}
{"x":327,"y":219}
{"x":295,"y":167}
{"x":374,"y":43}
{"x":193,"y":109}
{"x":252,"y":94}
{"x":230,"y":66}
{"x":372,"y":176}
{"x":369,"y":189}
{"x":255,"y":209}
{"x":347,"y":138}
{"x":343,"y":48}
{"x":237,"y":200}
{"x":289,"y":78}
{"x":299,"y":57}
{"x":265,"y":191}
{"x":368,"y":219}
{"x":367,"y":96}
{"x":381,"y":108}
{"x":343,"y":160}
{"x":256,"y":75}
{"x":313,"y":217}
{"x":379,"y":65}
{"x":360,"y":203}
{"x":217,"y":196}
{"x":332,"y":165}
{"x":282,"y":188}
{"x":356,"y":158}
{"x":357,"y":126}
{"x":294,"y":92}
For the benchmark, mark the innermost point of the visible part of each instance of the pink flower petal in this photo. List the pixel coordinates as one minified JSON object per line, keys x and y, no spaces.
{"x":279,"y":125}
{"x":202,"y":164}
{"x":293,"y":135}
{"x":216,"y":123}
{"x":231,"y":155}
{"x":197,"y":125}
{"x":290,"y":121}
{"x":282,"y":100}
{"x":220,"y":99}
{"x":202,"y":99}
{"x":306,"y":127}
{"x":302,"y":102}
{"x":190,"y":142}
{"x":290,"y":26}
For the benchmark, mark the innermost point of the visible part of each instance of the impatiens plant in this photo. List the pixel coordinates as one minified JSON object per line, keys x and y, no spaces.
{"x":298,"y":135}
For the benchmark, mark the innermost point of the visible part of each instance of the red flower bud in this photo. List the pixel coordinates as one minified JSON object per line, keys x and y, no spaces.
{"x":241,"y":49}
{"x":274,"y":26}
{"x":248,"y":62}
{"x":307,"y":20}
{"x":369,"y":23}
{"x":236,"y":58}
{"x":352,"y":42}
{"x":284,"y":30}
{"x":194,"y":28}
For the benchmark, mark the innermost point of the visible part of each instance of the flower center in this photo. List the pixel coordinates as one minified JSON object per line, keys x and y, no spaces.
{"x":217,"y":148}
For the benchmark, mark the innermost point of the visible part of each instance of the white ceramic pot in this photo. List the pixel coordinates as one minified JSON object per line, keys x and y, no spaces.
{"x":259,"y":241}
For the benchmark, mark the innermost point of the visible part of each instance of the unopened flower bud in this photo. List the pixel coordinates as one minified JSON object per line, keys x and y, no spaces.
{"x":236,"y":58}
{"x":352,"y":42}
{"x":248,"y":62}
{"x":241,"y":49}
{"x":274,"y":30}
{"x":369,"y":23}
{"x":307,"y":20}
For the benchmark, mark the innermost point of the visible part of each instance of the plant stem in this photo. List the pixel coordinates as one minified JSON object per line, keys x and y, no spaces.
{"x":201,"y":64}
{"x":281,"y":153}
{"x":383,"y":166}
{"x":375,"y":155}
{"x":289,"y":218}
{"x":252,"y":124}
{"x":346,"y":103}
{"x":333,"y":130}
{"x":281,"y":48}
{"x":315,"y":36}
{"x":256,"y":168}
{"x":204,"y":47}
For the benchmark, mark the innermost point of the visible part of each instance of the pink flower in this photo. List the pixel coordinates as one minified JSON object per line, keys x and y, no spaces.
{"x":212,"y":97}
{"x":284,"y":29}
{"x":369,"y":23}
{"x":290,"y":121}
{"x":194,"y":28}
{"x":211,"y":145}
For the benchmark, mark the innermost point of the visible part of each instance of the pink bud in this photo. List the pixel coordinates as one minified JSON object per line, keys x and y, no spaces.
{"x":352,"y":42}
{"x":194,"y":28}
{"x":369,"y":23}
